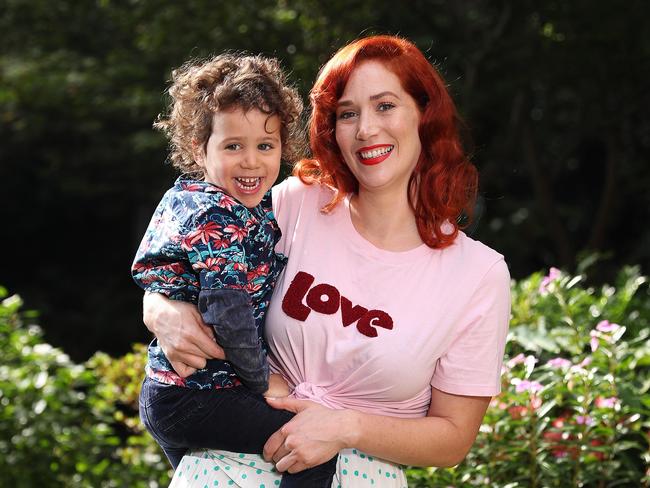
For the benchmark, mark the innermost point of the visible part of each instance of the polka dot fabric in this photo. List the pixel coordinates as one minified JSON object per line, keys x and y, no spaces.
{"x":207,"y":469}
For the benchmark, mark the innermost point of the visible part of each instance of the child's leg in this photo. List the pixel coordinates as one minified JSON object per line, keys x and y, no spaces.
{"x":233,"y":419}
{"x":317,"y":477}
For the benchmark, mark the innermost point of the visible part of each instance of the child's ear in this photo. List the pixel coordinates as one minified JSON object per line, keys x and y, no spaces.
{"x":198,"y":152}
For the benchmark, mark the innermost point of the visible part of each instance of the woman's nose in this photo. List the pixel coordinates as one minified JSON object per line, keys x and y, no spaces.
{"x":366,"y":126}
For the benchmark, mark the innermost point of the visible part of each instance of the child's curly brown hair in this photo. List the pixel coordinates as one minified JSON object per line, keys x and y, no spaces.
{"x":201,"y":87}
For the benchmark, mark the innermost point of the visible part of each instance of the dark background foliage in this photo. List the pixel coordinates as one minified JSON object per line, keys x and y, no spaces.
{"x":554,"y":94}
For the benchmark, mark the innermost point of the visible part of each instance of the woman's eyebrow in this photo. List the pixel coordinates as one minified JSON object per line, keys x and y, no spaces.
{"x":343,"y":103}
{"x":383,"y":94}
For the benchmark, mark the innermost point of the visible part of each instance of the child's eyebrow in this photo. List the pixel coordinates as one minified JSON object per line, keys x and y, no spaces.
{"x":231,"y":139}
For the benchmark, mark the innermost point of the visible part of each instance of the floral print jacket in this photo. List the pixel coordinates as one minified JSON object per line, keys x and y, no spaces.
{"x":201,"y":238}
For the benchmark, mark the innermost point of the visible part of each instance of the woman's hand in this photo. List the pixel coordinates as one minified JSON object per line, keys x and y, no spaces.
{"x":186,"y":341}
{"x":313,"y":436}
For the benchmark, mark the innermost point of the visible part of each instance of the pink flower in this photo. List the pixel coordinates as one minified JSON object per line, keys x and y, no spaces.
{"x":602,"y":402}
{"x":518,"y":411}
{"x":535,"y":402}
{"x":607,"y":326}
{"x":518,"y":359}
{"x":553,"y":274}
{"x":558,"y":363}
{"x":525,"y":385}
{"x":584,"y":420}
{"x":585,"y":362}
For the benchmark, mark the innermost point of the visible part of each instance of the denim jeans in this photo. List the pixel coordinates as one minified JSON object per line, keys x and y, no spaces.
{"x":233,"y":419}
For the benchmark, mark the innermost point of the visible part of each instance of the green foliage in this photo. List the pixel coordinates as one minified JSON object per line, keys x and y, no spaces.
{"x":575,"y":407}
{"x":64,"y":424}
{"x":574,"y":411}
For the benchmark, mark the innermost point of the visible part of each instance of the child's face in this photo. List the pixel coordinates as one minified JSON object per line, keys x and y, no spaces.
{"x":242,"y":154}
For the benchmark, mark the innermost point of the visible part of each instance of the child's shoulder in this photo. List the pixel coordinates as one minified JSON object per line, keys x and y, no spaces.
{"x":192,"y":200}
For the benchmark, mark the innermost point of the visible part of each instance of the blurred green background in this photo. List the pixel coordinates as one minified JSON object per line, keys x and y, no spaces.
{"x":555,"y":95}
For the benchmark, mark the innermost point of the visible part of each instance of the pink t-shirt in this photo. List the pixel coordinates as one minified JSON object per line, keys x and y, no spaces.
{"x":354,"y":326}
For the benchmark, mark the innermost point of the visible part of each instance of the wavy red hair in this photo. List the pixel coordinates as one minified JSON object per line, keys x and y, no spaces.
{"x":444,"y":184}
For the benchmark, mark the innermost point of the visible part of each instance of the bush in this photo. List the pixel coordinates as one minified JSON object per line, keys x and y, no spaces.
{"x":575,"y":407}
{"x":64,"y":424}
{"x":574,"y":410}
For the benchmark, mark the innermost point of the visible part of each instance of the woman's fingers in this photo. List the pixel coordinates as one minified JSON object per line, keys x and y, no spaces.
{"x":191,"y":336}
{"x":181,"y":332}
{"x":294,"y":461}
{"x":182,"y":369}
{"x":297,"y":467}
{"x":273,"y":444}
{"x":287,"y":463}
{"x":207,"y":345}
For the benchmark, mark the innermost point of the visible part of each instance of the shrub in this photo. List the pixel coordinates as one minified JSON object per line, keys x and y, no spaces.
{"x":574,"y":408}
{"x":64,"y":424}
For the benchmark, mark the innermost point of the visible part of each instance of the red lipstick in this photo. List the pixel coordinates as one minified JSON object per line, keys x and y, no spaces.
{"x":372,"y":155}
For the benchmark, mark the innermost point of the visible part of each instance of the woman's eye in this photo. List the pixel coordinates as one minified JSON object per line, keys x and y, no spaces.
{"x":345,"y":115}
{"x":233,"y":147}
{"x":265,"y":146}
{"x":384,"y":106}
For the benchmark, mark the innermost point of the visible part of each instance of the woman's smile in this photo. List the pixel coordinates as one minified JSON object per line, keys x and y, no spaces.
{"x":374,"y":154}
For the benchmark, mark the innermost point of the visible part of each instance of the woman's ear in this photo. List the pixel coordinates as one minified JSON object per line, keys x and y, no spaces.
{"x":198,"y":152}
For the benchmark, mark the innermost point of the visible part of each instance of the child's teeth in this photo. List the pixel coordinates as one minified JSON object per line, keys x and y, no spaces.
{"x":248,"y":183}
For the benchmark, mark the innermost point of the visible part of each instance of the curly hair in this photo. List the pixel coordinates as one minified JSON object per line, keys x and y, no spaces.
{"x":200,"y":88}
{"x":444,"y":183}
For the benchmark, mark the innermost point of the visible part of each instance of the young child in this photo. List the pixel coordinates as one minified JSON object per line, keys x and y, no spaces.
{"x":211,"y":242}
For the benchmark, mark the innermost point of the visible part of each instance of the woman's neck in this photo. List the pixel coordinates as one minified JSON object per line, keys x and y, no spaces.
{"x":386,"y":221}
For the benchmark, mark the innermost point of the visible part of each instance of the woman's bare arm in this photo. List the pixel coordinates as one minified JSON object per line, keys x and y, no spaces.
{"x":186,"y":341}
{"x":317,"y":433}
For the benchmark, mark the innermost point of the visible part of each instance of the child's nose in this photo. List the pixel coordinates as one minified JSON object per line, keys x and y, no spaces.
{"x":249,"y":160}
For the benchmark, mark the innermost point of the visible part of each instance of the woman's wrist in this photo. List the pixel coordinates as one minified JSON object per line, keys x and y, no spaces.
{"x":351,"y":425}
{"x":149,"y":309}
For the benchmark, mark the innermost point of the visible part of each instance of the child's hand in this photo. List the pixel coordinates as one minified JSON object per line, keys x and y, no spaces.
{"x":278,"y":386}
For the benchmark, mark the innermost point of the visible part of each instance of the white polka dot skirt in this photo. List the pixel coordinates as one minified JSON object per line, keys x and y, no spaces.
{"x":207,"y":469}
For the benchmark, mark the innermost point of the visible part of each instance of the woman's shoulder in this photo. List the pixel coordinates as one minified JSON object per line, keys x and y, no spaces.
{"x":475,"y":254}
{"x":293,"y":191}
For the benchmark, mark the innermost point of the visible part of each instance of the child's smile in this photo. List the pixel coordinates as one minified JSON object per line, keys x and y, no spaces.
{"x":242,"y":155}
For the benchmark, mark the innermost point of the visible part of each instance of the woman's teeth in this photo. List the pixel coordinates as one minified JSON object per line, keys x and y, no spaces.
{"x":375,"y":152}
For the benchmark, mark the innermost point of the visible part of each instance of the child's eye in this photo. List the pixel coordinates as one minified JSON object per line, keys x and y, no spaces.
{"x":265,"y":146}
{"x":233,"y":147}
{"x":385,"y":106}
{"x":345,"y":115}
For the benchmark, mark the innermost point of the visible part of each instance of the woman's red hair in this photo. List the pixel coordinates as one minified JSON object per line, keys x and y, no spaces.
{"x":444,"y":183}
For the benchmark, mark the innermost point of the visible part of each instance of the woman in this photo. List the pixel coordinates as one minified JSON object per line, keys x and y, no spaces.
{"x":388,"y":322}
